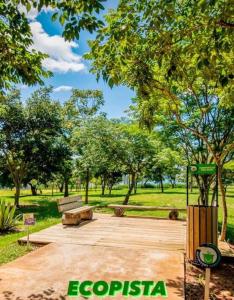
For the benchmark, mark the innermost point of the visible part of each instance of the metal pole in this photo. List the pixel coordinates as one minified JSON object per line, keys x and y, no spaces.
{"x":217,"y":187}
{"x":187,"y":183}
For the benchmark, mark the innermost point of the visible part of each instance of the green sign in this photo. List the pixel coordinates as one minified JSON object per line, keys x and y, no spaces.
{"x":102,"y":289}
{"x":203,"y":169}
{"x":208,"y":256}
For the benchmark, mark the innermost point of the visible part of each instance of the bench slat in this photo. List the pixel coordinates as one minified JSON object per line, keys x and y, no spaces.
{"x":138,"y":207}
{"x":78,"y":210}
{"x":67,"y":200}
{"x":69,"y":206}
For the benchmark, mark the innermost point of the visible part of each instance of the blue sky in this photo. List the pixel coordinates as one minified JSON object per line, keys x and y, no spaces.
{"x":69,"y":68}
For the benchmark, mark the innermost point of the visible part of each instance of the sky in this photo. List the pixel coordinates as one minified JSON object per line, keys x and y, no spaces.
{"x":69,"y":69}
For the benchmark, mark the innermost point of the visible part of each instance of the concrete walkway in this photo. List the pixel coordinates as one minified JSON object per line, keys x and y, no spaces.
{"x":44,"y":274}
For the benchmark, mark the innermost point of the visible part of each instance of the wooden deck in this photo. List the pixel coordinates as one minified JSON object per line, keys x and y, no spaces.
{"x":126,"y":232}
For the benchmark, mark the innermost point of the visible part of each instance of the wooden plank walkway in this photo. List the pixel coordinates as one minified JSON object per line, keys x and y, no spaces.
{"x":106,"y":248}
{"x":125,"y":232}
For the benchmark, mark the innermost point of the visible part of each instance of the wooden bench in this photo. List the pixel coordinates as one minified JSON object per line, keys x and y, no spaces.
{"x":119,"y":209}
{"x":73,"y":211}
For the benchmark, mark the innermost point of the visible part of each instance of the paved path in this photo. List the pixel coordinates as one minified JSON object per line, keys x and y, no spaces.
{"x":108,"y":249}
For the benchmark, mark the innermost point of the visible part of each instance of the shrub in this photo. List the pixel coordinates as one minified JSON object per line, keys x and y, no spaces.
{"x":7,"y":216}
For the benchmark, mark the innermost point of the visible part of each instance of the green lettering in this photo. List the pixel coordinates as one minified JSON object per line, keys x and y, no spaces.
{"x":83,"y":291}
{"x":100,"y":288}
{"x":135,"y":289}
{"x":125,"y":288}
{"x":159,"y":289}
{"x":115,"y":286}
{"x":147,"y":284}
{"x":73,"y":288}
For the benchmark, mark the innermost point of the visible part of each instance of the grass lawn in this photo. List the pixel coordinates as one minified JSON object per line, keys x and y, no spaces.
{"x":45,"y":210}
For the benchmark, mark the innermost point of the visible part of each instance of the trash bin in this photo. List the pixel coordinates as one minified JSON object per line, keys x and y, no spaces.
{"x":202,"y":228}
{"x":202,"y":218}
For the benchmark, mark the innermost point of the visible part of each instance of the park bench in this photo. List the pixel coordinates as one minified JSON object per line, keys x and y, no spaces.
{"x":119,"y":209}
{"x":73,"y":211}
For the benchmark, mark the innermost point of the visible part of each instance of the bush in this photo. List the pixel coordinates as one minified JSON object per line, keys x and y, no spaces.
{"x":148,"y":186}
{"x":7,"y":216}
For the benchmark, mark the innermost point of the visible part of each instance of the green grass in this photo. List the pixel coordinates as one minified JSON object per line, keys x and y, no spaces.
{"x":45,"y":209}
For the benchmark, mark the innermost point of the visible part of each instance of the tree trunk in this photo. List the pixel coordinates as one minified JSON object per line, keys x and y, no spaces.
{"x":33,"y":190}
{"x":110,"y":188}
{"x":103,"y":184}
{"x":87,"y":187}
{"x":191,"y":185}
{"x":66,"y":193}
{"x":161,"y":183}
{"x":125,"y":202}
{"x":61,"y":187}
{"x":129,"y":181}
{"x":224,"y":204}
{"x":17,"y":194}
{"x":135,"y":187}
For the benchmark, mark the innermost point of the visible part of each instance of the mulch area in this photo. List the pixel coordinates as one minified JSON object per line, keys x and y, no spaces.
{"x":221,"y":286}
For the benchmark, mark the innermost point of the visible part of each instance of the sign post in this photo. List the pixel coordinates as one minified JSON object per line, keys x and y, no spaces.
{"x":207,"y":284}
{"x":203,"y":169}
{"x":208,"y":256}
{"x":28,"y":221}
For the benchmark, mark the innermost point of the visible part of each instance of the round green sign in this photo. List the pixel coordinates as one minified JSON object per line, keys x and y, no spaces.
{"x":208,"y":256}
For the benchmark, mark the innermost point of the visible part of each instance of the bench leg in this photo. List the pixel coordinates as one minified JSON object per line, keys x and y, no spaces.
{"x":174,"y":214}
{"x":119,"y":212}
{"x":87,"y":215}
{"x":71,"y":220}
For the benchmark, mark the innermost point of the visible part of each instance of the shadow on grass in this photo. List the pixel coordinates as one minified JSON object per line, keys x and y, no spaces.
{"x":43,"y":209}
{"x":106,"y":196}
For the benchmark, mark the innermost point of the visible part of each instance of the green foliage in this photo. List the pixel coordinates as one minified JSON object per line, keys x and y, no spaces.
{"x":31,"y":137}
{"x":81,"y":105}
{"x":74,"y":16}
{"x":163,"y":49}
{"x":18,"y":64}
{"x":7,"y":216}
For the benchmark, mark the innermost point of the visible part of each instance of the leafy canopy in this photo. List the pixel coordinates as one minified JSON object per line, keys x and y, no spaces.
{"x":18,"y":64}
{"x":167,"y":47}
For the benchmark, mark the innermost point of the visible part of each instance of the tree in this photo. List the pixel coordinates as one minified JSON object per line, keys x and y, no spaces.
{"x":29,"y":136}
{"x":17,"y":62}
{"x":82,"y":106}
{"x":137,"y":150}
{"x":168,"y":52}
{"x":98,"y":150}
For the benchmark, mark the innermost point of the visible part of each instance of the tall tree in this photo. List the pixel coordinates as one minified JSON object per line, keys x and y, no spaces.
{"x":138,"y":150}
{"x":81,"y":108}
{"x":98,"y":150}
{"x":29,"y":136}
{"x":167,"y":52}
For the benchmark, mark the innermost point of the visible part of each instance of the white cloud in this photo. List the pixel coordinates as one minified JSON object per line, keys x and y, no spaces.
{"x":33,"y":13}
{"x":61,"y":58}
{"x":63,"y":88}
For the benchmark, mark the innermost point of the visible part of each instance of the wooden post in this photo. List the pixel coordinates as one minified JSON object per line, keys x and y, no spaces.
{"x":27,"y":237}
{"x":207,"y":284}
